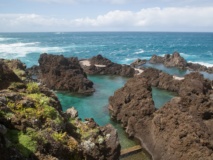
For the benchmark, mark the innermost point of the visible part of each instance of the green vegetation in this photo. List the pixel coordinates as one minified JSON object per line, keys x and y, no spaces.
{"x":32,"y":87}
{"x":16,"y":85}
{"x":24,"y":143}
{"x":59,"y":136}
{"x":37,"y":125}
{"x":20,"y":73}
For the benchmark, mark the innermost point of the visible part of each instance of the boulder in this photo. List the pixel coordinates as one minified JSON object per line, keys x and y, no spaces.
{"x":65,"y":74}
{"x":72,"y":112}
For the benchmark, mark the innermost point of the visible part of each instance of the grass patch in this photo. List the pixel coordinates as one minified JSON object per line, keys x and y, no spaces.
{"x":23,"y":142}
{"x":33,"y":87}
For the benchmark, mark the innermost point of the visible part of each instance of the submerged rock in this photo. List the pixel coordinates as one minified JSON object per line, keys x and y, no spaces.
{"x":181,"y":129}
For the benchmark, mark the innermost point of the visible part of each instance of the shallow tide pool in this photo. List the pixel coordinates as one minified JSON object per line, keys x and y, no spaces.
{"x":96,"y":105}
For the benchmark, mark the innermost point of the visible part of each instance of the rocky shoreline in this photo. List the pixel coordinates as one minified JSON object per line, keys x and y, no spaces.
{"x":33,"y":126}
{"x":174,"y":60}
{"x":181,"y":129}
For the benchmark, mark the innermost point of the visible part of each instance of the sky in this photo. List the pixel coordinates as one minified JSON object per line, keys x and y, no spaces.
{"x":106,"y":15}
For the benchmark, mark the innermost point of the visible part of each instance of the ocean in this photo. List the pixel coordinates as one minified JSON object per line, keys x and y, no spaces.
{"x":120,"y":47}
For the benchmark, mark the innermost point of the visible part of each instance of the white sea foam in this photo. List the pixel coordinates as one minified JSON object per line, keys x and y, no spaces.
{"x":16,"y":50}
{"x":6,"y":39}
{"x":139,"y":51}
{"x":187,"y":55}
{"x":128,"y":60}
{"x":204,"y":63}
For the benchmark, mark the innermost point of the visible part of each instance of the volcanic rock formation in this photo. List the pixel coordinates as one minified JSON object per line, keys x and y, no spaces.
{"x":181,"y":129}
{"x":66,"y":74}
{"x":102,"y":66}
{"x":175,"y":60}
{"x":33,"y":126}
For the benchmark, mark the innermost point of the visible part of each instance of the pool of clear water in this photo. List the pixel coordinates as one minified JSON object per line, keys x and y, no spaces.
{"x":96,"y":105}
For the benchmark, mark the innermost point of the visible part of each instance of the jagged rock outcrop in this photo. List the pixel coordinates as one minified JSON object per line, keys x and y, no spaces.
{"x":159,"y":79}
{"x":33,"y":126}
{"x":199,"y":67}
{"x":60,"y":73}
{"x":175,"y":60}
{"x":181,"y":129}
{"x":103,"y":66}
{"x":138,"y":62}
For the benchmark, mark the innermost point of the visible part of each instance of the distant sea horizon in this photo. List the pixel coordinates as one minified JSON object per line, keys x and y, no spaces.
{"x":121,"y":47}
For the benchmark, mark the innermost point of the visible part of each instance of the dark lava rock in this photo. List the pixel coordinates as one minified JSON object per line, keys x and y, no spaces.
{"x":60,"y":73}
{"x":33,"y":126}
{"x":100,"y":65}
{"x":199,"y":67}
{"x":181,"y":129}
{"x":138,"y":62}
{"x":174,"y":60}
{"x":7,"y":76}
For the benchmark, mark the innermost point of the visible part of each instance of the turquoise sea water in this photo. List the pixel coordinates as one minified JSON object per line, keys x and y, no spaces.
{"x":96,"y":105}
{"x":120,"y":47}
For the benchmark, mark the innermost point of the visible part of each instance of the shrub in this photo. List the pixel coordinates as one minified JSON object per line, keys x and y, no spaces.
{"x":49,"y":112}
{"x":26,"y":145}
{"x":59,"y":136}
{"x":32,"y":87}
{"x":39,"y":98}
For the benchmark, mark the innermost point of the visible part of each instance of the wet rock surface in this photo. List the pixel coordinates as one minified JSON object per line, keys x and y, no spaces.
{"x":181,"y":129}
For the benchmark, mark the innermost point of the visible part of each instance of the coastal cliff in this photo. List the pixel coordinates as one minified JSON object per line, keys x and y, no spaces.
{"x":181,"y":129}
{"x":33,"y":126}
